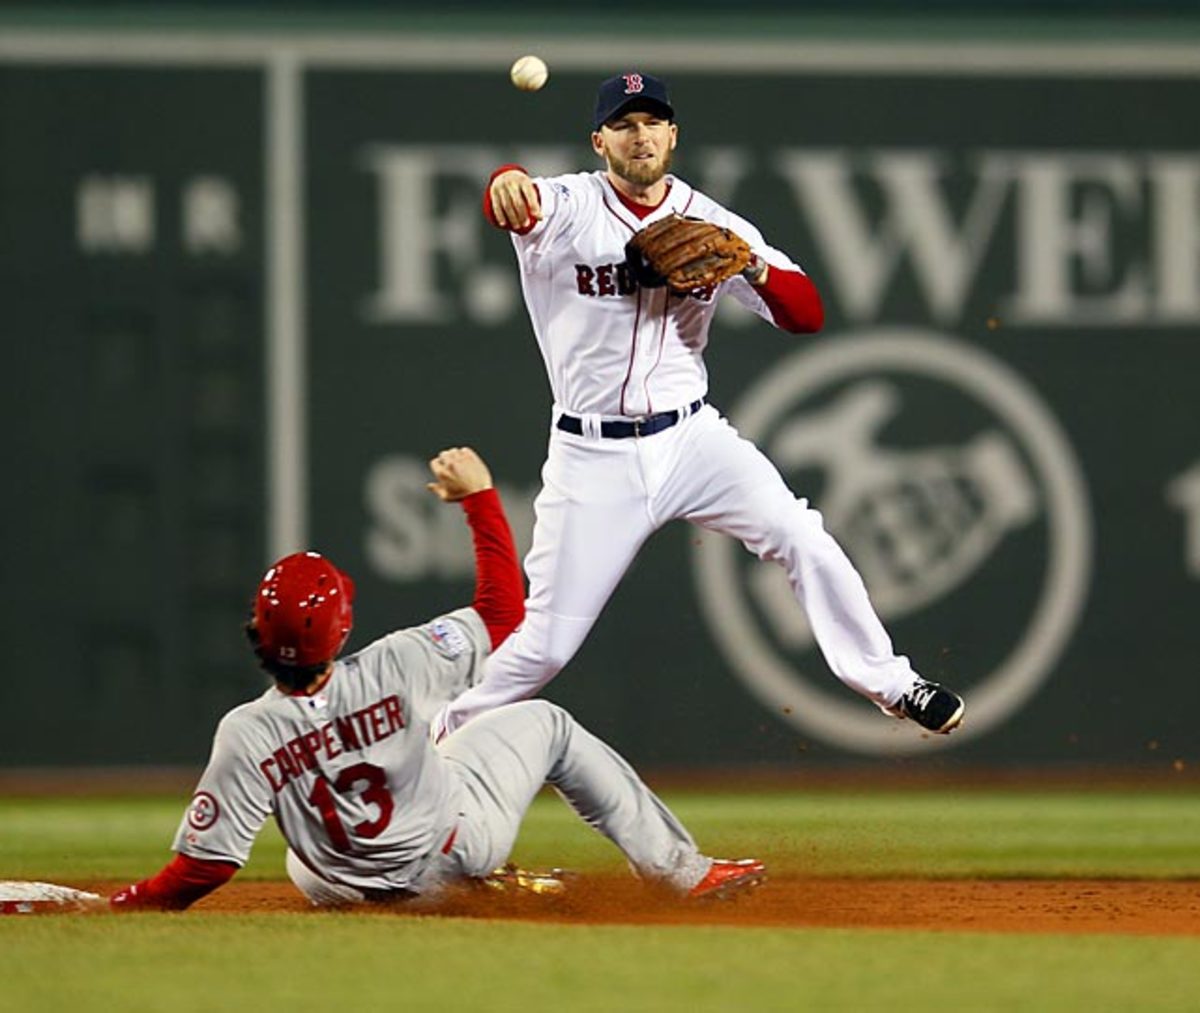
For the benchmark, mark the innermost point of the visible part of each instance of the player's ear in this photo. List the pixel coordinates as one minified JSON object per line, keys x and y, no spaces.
{"x":598,"y":143}
{"x":674,"y":135}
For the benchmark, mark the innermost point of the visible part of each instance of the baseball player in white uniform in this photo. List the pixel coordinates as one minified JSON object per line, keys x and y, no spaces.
{"x":339,"y":751}
{"x":633,"y":443}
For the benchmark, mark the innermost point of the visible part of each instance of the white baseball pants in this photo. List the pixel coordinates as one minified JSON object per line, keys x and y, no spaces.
{"x":602,"y":498}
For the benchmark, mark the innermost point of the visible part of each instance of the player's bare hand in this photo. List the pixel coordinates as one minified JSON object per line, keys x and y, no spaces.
{"x":458,"y":472}
{"x":515,"y":200}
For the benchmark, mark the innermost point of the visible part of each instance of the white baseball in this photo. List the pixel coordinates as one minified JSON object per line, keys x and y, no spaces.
{"x":529,"y":73}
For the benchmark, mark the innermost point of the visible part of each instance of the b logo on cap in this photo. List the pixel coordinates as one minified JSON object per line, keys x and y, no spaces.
{"x":633,"y":83}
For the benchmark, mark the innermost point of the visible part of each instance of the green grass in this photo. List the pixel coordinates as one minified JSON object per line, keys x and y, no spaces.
{"x":959,"y":833}
{"x":213,"y":961}
{"x":292,"y":962}
{"x":911,"y":833}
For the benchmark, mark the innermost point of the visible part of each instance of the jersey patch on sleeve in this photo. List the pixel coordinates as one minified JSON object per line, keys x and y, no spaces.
{"x":447,"y":637}
{"x":204,"y":811}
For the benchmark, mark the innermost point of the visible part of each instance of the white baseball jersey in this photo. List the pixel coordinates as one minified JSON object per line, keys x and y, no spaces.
{"x":610,"y":347}
{"x":349,"y":773}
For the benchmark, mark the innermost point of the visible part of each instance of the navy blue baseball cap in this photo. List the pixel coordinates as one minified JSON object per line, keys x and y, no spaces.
{"x":632,"y":92}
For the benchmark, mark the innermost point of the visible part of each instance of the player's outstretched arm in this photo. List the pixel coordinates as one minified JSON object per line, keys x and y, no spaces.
{"x":462,"y":477}
{"x":179,"y":884}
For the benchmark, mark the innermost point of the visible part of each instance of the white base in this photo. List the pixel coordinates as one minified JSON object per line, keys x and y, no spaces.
{"x":22,"y":896}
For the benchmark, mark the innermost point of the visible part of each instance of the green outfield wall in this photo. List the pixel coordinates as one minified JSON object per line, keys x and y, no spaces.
{"x":246,"y":291}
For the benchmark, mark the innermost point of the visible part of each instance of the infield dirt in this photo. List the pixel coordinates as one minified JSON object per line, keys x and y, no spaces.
{"x":1139,"y":907}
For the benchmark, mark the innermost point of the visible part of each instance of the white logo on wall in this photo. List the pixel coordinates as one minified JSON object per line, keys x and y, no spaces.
{"x":924,"y":516}
{"x":118,"y":214}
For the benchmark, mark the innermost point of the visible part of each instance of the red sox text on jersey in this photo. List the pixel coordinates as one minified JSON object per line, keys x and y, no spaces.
{"x":617,"y":279}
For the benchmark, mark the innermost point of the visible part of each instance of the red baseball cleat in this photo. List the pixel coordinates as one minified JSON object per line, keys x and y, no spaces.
{"x":727,"y":877}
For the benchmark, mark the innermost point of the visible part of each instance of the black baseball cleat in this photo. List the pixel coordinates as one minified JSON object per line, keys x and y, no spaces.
{"x":931,"y":706}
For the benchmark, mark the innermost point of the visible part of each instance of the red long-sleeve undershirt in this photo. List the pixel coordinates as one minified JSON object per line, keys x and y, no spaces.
{"x":499,"y":587}
{"x":179,"y":884}
{"x":792,"y":298}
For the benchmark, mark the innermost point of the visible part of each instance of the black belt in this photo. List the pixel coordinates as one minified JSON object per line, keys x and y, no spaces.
{"x":620,"y":429}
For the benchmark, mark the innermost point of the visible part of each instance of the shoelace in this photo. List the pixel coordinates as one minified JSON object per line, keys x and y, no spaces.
{"x":920,"y":695}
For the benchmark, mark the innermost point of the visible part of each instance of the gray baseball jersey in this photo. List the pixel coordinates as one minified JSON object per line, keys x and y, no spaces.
{"x":349,"y":773}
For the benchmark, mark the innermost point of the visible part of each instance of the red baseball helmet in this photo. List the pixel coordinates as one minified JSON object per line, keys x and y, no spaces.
{"x":303,"y":610}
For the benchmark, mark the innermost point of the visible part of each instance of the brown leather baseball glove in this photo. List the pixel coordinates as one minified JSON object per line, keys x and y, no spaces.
{"x":685,"y":254}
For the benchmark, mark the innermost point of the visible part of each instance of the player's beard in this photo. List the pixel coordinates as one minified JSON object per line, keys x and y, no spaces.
{"x":640,"y":173}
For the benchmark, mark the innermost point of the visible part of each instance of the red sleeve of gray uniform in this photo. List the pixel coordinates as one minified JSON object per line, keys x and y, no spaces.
{"x":179,"y":884}
{"x":499,"y":588}
{"x":793,"y":300}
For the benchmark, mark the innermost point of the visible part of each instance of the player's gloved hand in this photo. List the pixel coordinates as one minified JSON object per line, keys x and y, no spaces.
{"x":127,"y":898}
{"x":686,"y":254}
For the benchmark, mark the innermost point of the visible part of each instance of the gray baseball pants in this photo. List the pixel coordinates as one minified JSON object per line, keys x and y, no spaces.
{"x":502,"y":759}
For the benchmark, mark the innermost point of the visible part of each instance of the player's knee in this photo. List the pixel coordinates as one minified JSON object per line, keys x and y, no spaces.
{"x":791,"y":528}
{"x":544,"y":710}
{"x":320,"y":892}
{"x":557,"y":721}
